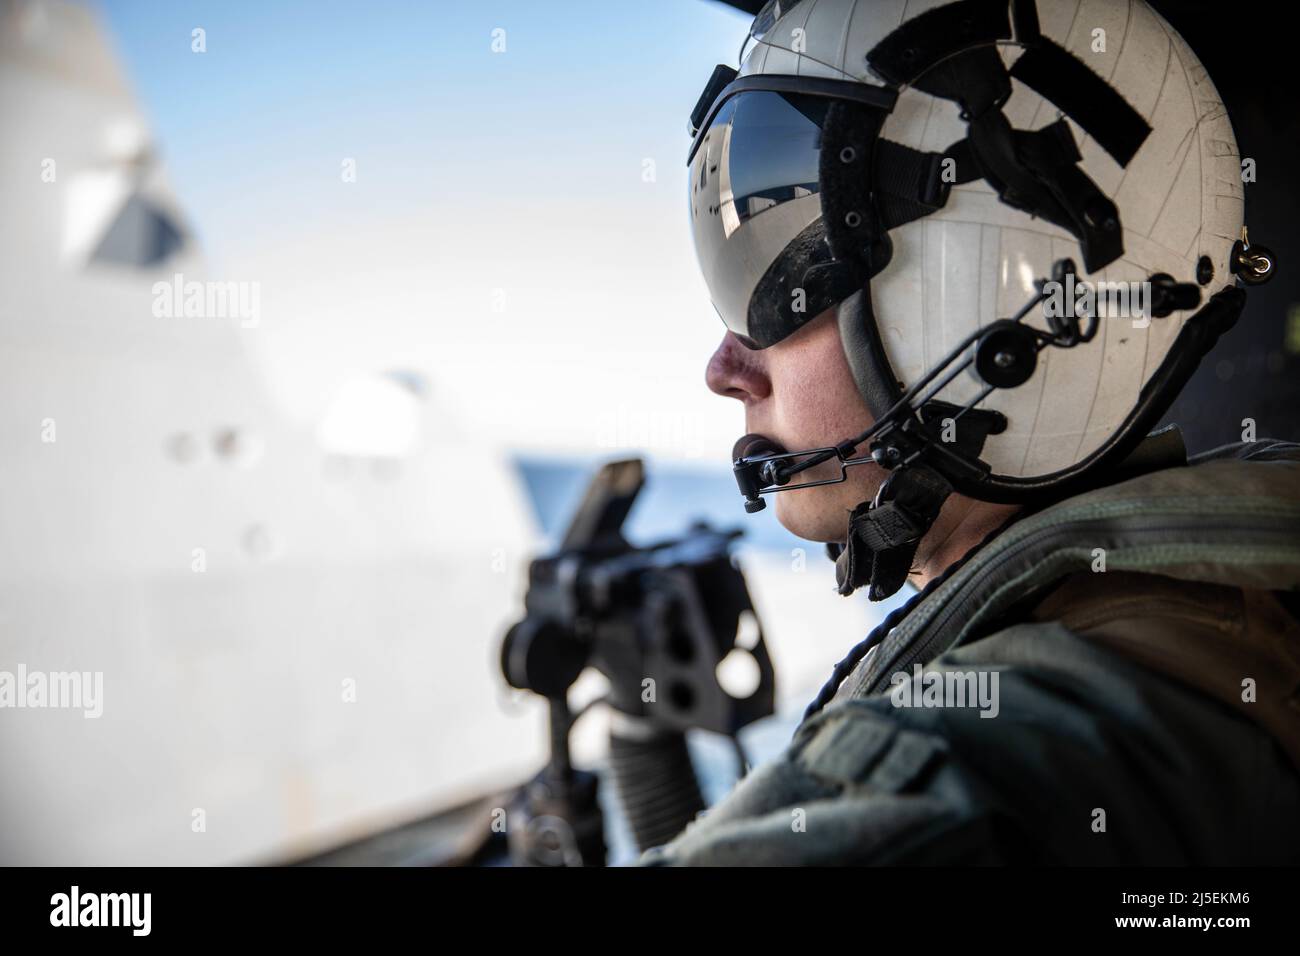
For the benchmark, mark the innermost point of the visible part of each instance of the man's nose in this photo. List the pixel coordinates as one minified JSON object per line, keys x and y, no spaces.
{"x":738,"y":372}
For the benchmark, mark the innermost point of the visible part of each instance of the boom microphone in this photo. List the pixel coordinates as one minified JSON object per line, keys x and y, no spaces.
{"x":747,"y":462}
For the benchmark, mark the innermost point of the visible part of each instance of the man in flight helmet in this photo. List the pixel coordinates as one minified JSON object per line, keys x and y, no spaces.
{"x":967,"y":253}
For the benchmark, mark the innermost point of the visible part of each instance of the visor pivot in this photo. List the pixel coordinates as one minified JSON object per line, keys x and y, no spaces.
{"x":1253,"y":265}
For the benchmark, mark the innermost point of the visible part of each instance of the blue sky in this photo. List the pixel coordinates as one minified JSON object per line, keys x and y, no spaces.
{"x":501,"y":236}
{"x":582,"y":94}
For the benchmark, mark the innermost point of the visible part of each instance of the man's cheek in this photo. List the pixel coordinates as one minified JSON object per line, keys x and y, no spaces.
{"x":805,"y":417}
{"x":820,"y":411}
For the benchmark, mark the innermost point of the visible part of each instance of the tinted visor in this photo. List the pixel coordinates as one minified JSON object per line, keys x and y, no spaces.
{"x":756,"y":207}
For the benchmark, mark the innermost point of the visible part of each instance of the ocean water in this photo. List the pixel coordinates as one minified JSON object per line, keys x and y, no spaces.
{"x":674,"y":496}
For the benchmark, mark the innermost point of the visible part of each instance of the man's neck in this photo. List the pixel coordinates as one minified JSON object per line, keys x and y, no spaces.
{"x":962,"y":523}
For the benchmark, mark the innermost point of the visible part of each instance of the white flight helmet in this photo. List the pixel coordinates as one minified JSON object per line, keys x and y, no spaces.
{"x":927,"y":167}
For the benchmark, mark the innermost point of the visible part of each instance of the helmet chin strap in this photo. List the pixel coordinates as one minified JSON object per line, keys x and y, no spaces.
{"x":884,"y":533}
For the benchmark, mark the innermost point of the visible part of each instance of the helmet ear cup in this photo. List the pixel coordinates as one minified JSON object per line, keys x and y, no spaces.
{"x":860,"y":338}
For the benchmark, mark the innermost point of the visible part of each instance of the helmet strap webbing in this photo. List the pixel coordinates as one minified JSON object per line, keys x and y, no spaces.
{"x":885,"y":533}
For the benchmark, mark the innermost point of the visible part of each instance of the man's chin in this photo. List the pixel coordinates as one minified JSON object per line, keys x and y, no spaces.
{"x":811,"y":515}
{"x":822,"y":513}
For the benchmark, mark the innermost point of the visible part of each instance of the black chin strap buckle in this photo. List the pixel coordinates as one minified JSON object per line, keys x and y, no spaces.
{"x":884,"y":533}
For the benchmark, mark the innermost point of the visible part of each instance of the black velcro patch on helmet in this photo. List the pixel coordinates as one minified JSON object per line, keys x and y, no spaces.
{"x":1056,"y":75}
{"x":937,"y":34}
